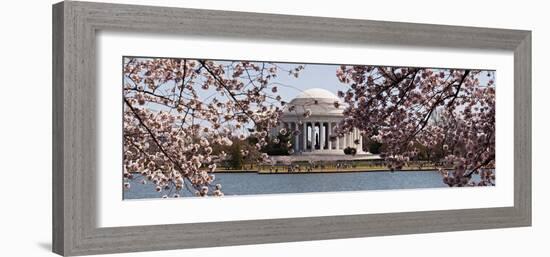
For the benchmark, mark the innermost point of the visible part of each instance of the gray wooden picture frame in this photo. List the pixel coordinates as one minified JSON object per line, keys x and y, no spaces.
{"x":75,"y":25}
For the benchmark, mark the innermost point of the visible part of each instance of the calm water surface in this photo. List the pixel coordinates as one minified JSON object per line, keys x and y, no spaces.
{"x":252,"y":183}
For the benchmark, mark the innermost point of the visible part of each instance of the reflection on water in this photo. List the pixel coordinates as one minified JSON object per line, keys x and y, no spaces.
{"x":252,"y":183}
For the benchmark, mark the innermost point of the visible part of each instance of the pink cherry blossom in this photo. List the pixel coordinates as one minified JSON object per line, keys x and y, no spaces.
{"x":171,"y":124}
{"x":443,"y":110}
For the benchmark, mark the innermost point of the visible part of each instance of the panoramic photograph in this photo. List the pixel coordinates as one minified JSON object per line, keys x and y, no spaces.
{"x":213,"y":128}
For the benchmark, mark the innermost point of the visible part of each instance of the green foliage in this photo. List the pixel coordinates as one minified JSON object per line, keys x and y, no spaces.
{"x":236,"y":159}
{"x":279,"y":148}
{"x":350,"y":151}
{"x":374,"y":147}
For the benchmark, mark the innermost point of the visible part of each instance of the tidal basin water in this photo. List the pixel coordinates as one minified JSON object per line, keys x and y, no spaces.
{"x":252,"y":183}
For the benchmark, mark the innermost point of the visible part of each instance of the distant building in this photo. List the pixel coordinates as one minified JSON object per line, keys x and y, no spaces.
{"x":317,"y":128}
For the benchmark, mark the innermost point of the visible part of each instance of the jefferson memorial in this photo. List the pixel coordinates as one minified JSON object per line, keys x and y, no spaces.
{"x":325,"y":112}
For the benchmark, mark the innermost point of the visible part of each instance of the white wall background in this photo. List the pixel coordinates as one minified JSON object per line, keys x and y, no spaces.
{"x":25,"y":128}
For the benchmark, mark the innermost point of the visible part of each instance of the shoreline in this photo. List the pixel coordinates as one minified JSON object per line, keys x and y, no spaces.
{"x":327,"y":171}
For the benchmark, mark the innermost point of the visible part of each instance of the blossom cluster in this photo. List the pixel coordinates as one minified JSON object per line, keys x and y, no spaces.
{"x":446,"y":111}
{"x":176,"y":111}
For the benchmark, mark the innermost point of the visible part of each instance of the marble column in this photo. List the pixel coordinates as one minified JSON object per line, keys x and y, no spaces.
{"x":296,"y":137}
{"x":359,"y":147}
{"x":360,"y":142}
{"x":308,"y":135}
{"x":313,"y":136}
{"x":321,"y":136}
{"x":337,"y":142}
{"x":345,"y":141}
{"x":329,"y":135}
{"x":354,"y":137}
{"x":304,"y":136}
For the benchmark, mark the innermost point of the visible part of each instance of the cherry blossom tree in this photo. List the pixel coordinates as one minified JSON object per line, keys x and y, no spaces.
{"x":449,"y":110}
{"x":175,"y":110}
{"x":178,"y":112}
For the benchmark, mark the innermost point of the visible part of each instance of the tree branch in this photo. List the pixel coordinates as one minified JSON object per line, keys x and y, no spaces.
{"x":151,"y":133}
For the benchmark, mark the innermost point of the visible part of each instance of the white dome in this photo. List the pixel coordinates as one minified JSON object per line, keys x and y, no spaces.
{"x":318,"y":101}
{"x":316,"y":93}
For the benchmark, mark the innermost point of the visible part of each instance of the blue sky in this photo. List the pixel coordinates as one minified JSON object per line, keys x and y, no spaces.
{"x":317,"y":76}
{"x":312,"y":76}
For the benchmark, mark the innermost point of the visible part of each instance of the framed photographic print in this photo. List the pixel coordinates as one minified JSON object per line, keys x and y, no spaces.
{"x":246,"y":128}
